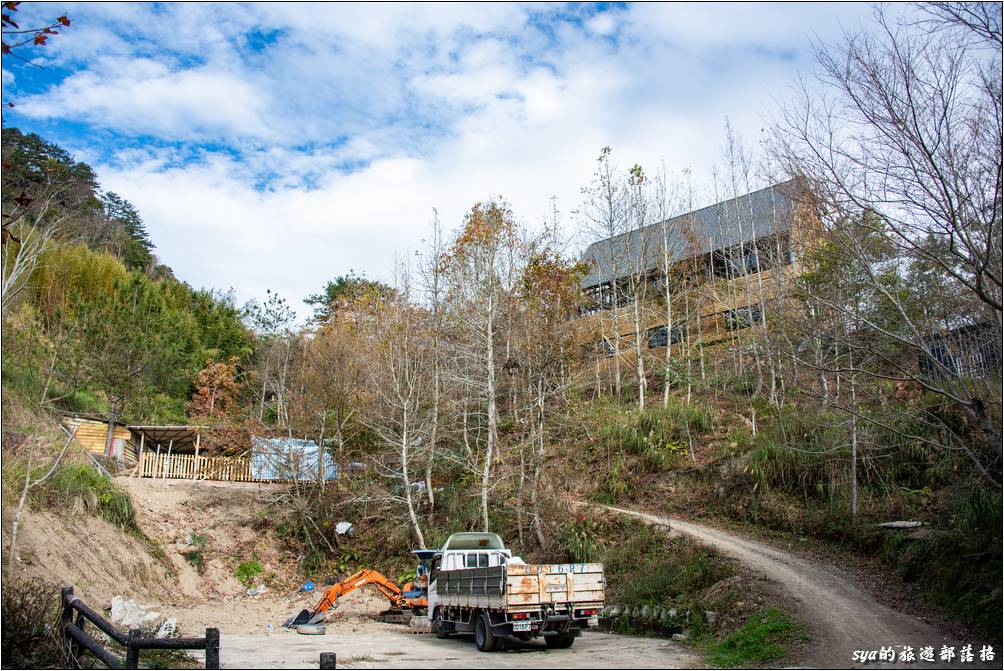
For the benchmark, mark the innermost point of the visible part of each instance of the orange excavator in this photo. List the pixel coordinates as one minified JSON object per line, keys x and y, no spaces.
{"x":410,"y":597}
{"x":407,"y":601}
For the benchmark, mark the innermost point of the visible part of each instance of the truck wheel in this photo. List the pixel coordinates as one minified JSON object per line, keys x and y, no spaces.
{"x":558,"y":641}
{"x":483,"y":636}
{"x":439,"y":627}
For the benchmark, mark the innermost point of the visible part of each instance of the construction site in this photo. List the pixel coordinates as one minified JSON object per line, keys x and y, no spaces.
{"x":365,"y":618}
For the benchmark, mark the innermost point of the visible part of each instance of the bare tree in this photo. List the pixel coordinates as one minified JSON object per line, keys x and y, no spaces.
{"x":603,"y":215}
{"x":673,"y":248}
{"x":398,"y":375}
{"x":547,"y":293}
{"x":638,"y":262}
{"x":32,"y":455}
{"x":30,"y":227}
{"x":900,"y":141}
{"x":480,"y":269}
{"x":981,"y":21}
{"x":432,"y":285}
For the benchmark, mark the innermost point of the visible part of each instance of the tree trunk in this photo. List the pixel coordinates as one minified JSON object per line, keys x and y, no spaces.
{"x":113,"y":415}
{"x":538,"y":463}
{"x":23,"y":498}
{"x":492,"y":419}
{"x":407,"y":479}
{"x":638,"y":350}
{"x":21,"y":503}
{"x":431,"y":456}
{"x":322,"y":457}
{"x":617,"y":347}
{"x":854,"y":445}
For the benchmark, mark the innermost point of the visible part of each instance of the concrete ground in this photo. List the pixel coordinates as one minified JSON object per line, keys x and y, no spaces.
{"x":377,"y":645}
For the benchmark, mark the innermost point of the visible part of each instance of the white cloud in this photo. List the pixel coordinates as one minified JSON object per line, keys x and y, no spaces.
{"x":602,"y":24}
{"x":360,"y":119}
{"x":146,"y":96}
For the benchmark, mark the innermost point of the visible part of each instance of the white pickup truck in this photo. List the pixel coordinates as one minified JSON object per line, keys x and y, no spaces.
{"x":477,"y":585}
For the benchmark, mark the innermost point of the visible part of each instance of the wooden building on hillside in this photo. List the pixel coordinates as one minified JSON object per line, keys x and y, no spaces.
{"x":92,"y":433}
{"x":729,"y":266}
{"x":170,"y":452}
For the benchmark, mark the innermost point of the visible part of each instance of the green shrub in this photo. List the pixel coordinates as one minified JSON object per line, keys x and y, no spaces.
{"x":645,"y":567}
{"x":77,"y":486}
{"x":738,"y":384}
{"x":762,"y":638}
{"x":679,"y":575}
{"x":97,"y":492}
{"x":197,"y":556}
{"x":247,"y":571}
{"x":615,"y":485}
{"x":659,"y":435}
{"x":577,"y":540}
{"x":958,"y":567}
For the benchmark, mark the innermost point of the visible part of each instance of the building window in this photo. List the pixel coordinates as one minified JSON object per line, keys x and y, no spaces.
{"x":750,"y":257}
{"x":743,"y":318}
{"x":660,"y":336}
{"x":603,"y":296}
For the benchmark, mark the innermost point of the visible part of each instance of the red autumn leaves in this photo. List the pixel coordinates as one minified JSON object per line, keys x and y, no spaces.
{"x":35,"y":36}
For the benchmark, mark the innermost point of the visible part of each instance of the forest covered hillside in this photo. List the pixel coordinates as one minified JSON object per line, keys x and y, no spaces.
{"x":833,"y":390}
{"x":91,"y":316}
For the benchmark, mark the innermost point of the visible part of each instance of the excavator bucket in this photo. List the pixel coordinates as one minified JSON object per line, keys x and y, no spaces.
{"x":303,"y":617}
{"x":420,"y":625}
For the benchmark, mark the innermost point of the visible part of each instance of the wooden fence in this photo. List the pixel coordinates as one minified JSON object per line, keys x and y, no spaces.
{"x":188,"y":466}
{"x":75,"y":632}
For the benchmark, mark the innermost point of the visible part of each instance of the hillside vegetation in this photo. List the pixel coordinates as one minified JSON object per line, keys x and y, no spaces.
{"x":481,"y":389}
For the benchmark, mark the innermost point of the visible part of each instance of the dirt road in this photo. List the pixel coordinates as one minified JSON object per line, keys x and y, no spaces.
{"x":377,"y":645}
{"x":842,"y":617}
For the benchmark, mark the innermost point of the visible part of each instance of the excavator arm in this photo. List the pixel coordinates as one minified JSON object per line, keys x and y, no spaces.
{"x":366,"y":576}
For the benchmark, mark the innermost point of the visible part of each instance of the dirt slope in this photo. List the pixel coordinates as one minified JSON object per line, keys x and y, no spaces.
{"x":225,"y":514}
{"x":842,"y":617}
{"x":171,"y":511}
{"x":94,"y":556}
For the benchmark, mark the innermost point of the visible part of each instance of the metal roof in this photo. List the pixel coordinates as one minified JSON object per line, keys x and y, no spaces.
{"x":183,"y":436}
{"x":743,"y":219}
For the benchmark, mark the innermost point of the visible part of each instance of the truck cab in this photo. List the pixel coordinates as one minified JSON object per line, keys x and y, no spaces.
{"x":477,"y":585}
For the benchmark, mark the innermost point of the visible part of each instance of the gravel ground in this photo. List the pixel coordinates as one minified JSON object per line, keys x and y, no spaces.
{"x":363,"y":645}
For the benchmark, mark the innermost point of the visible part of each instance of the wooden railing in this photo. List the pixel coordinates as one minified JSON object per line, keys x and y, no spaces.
{"x":75,"y":632}
{"x":188,"y":466}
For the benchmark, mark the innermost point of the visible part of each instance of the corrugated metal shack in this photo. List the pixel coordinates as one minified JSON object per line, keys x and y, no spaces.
{"x":284,"y":459}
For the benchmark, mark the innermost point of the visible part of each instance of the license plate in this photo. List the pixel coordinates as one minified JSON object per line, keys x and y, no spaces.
{"x":521,"y":626}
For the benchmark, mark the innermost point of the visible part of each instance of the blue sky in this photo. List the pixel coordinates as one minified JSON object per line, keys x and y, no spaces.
{"x":277,"y":146}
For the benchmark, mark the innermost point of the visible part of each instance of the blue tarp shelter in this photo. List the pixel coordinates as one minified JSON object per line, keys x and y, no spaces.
{"x":289,"y":459}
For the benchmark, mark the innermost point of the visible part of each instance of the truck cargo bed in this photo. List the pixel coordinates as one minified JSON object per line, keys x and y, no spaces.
{"x":523,"y":586}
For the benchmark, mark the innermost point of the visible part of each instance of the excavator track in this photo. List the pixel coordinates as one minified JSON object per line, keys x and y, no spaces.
{"x":395,"y":617}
